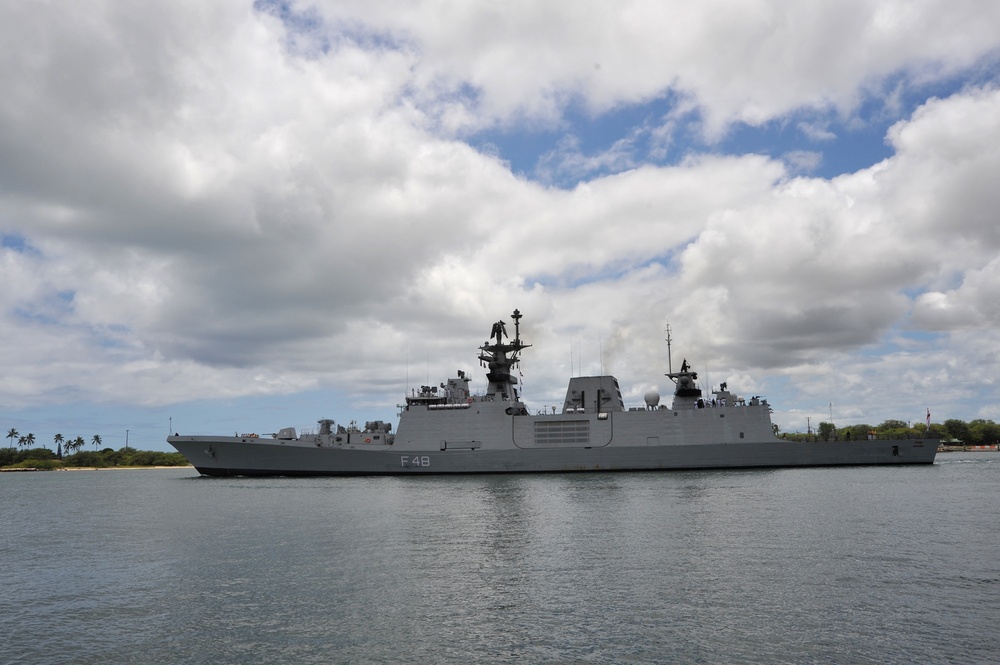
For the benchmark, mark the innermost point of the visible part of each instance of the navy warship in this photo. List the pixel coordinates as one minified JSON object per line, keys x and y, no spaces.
{"x":447,"y":429}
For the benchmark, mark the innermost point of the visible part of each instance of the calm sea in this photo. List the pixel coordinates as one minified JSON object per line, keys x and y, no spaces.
{"x":845,"y":565}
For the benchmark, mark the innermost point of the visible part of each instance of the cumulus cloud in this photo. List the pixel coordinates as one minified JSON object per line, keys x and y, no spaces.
{"x":743,"y":62}
{"x":974,"y":304}
{"x":202,"y":202}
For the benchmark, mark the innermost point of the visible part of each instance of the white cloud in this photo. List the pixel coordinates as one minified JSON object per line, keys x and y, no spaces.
{"x":817,"y":131}
{"x":215,"y":206}
{"x":803,"y":161}
{"x":747,"y":62}
{"x":975,"y":304}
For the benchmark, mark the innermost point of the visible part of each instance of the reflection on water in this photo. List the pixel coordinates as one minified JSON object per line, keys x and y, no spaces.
{"x":862,"y":565}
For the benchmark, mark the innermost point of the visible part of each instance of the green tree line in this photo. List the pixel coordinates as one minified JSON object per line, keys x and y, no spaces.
{"x":61,"y":442}
{"x":973,"y":433}
{"x":27,"y":454}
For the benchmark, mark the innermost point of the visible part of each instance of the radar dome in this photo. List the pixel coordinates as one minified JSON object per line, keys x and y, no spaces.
{"x":652,"y":398}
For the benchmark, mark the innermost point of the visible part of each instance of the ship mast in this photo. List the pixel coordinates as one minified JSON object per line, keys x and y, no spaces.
{"x":687,"y":393}
{"x":670,"y":364}
{"x":499,"y":358}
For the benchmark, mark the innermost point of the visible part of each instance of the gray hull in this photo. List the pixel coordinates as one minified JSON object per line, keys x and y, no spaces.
{"x":233,"y":456}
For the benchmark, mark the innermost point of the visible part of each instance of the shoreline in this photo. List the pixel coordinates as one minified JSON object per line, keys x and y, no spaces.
{"x":121,"y":468}
{"x":91,"y":468}
{"x":968,"y":449}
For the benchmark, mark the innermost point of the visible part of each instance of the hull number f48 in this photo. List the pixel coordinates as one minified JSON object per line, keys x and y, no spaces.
{"x":416,"y":460}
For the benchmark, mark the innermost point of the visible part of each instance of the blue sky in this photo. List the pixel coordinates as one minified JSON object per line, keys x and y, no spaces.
{"x":261,"y":214}
{"x":840,"y":144}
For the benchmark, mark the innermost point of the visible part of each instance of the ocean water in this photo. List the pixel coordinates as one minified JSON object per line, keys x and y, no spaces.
{"x":844,"y":565}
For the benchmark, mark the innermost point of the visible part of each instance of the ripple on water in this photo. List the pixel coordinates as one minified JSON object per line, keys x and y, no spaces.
{"x":861,"y":565}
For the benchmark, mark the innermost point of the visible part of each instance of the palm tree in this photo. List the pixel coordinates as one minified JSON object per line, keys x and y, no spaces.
{"x":21,"y":441}
{"x":96,"y":441}
{"x":58,"y":440}
{"x":12,"y":434}
{"x":29,"y":440}
{"x":78,"y":443}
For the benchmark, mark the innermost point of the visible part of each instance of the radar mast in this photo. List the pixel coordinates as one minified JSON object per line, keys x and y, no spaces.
{"x":500,"y":357}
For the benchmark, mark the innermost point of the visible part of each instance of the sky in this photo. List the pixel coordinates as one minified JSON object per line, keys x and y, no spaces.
{"x":239,"y":216}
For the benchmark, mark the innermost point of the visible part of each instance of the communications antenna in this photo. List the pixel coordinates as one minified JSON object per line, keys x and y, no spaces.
{"x":670,"y":364}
